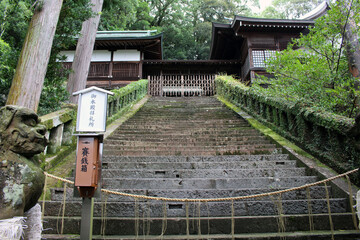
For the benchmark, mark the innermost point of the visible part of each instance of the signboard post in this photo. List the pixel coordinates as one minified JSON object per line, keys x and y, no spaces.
{"x":90,"y":129}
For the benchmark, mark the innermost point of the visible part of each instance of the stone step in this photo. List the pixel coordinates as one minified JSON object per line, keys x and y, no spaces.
{"x":216,"y":122}
{"x":202,"y":173}
{"x":200,"y":165}
{"x":196,"y":159}
{"x":221,"y":124}
{"x":180,"y":115}
{"x":184,"y":143}
{"x":158,"y":126}
{"x":186,"y":138}
{"x":215,"y":183}
{"x":179,"y":138}
{"x":214,"y":209}
{"x":316,"y":192}
{"x":294,"y":235}
{"x":190,"y":132}
{"x":137,"y":152}
{"x":220,"y":225}
{"x":196,"y":148}
{"x":228,"y":147}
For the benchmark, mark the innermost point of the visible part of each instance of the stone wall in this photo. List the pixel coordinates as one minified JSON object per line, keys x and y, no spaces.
{"x":331,"y":138}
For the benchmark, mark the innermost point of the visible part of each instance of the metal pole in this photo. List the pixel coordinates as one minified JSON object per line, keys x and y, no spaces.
{"x":87,"y":211}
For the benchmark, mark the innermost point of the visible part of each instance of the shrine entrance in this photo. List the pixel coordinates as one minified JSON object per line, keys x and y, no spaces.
{"x":186,"y":78}
{"x":173,"y":85}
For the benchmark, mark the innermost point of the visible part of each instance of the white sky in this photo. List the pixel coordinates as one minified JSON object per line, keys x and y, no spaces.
{"x":264,"y":4}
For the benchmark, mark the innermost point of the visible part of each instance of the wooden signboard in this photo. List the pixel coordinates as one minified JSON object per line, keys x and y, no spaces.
{"x":91,"y":115}
{"x":87,"y":162}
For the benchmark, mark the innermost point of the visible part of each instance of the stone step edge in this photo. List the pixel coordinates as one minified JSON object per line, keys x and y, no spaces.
{"x":196,"y":202}
{"x":208,"y":218}
{"x":275,"y":235}
{"x":200,"y":156}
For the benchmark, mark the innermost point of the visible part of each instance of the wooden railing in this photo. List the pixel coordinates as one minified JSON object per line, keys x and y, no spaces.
{"x":182,"y":85}
{"x":108,"y":74}
{"x":99,"y":69}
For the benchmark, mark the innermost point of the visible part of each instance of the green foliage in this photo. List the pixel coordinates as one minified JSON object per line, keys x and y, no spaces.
{"x":121,"y":15}
{"x":314,"y":68}
{"x":15,"y":16}
{"x":186,"y":24}
{"x":6,"y":69}
{"x":289,"y":9}
{"x":14,"y":19}
{"x":124,"y":98}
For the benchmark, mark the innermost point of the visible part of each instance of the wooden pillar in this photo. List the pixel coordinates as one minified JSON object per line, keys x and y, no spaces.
{"x":111,"y":65}
{"x":141,"y":65}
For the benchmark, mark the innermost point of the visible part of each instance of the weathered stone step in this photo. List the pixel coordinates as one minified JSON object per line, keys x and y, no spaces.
{"x":186,"y":138}
{"x":183,"y":125}
{"x":191,"y":132}
{"x":196,"y":159}
{"x":298,"y":235}
{"x":200,"y":183}
{"x":200,"y":165}
{"x":251,"y":132}
{"x":183,"y":137}
{"x":222,"y":225}
{"x":216,"y":122}
{"x":186,"y":113}
{"x":173,"y":148}
{"x":214,"y":209}
{"x":203,"y":173}
{"x":183,"y":142}
{"x":137,"y":152}
{"x":316,"y":192}
{"x":152,"y":122}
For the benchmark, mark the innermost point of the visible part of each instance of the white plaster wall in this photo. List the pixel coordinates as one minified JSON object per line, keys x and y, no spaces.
{"x":69,"y":55}
{"x":101,"y":56}
{"x":127,"y":55}
{"x":105,"y":55}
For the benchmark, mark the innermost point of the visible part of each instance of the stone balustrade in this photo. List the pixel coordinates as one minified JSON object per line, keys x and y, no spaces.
{"x":332,"y":138}
{"x":61,"y":124}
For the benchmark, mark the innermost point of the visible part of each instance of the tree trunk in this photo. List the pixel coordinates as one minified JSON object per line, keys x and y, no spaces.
{"x":352,"y":42}
{"x":32,"y":65}
{"x":83,"y":53}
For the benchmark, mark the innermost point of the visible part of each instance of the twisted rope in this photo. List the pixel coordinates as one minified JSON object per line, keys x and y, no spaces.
{"x":213,"y":199}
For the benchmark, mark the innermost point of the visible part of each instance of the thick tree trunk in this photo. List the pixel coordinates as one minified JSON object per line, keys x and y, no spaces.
{"x":84,"y":50}
{"x":353,"y":49}
{"x":352,"y":41}
{"x":32,"y":65}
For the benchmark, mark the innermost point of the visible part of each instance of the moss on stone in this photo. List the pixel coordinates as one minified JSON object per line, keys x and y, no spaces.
{"x":331,"y":138}
{"x":270,"y":133}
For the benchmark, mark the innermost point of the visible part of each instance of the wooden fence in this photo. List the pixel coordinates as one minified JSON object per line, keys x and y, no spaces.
{"x":182,"y":85}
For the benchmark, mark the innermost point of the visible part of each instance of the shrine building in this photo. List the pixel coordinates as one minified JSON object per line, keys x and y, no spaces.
{"x":239,"y":48}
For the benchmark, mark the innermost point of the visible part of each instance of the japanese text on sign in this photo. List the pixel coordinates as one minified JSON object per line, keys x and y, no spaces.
{"x":84,"y":160}
{"x":92,"y":114}
{"x":92,"y":110}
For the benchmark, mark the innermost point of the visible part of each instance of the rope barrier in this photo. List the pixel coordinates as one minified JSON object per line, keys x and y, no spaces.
{"x":212,"y":199}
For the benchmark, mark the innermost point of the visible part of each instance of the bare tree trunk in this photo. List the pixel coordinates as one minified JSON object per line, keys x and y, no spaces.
{"x":32,"y":65}
{"x":84,"y":50}
{"x":352,"y":41}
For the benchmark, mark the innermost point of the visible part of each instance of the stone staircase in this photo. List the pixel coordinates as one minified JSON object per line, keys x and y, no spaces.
{"x":196,"y":148}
